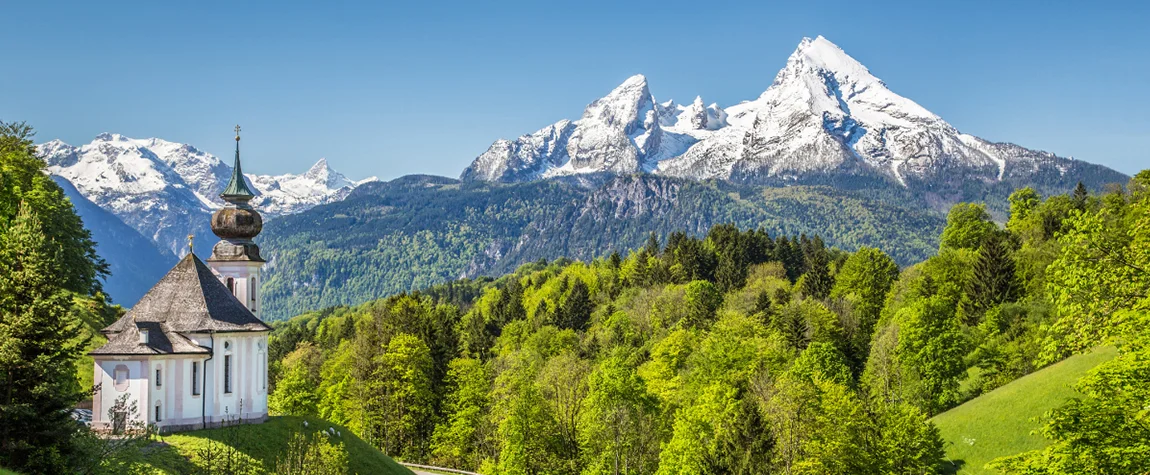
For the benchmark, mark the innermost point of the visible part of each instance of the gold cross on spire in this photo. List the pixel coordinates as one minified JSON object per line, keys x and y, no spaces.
{"x":237,"y":132}
{"x":190,"y":238}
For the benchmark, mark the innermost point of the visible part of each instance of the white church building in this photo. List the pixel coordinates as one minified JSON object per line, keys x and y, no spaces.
{"x":192,"y":353}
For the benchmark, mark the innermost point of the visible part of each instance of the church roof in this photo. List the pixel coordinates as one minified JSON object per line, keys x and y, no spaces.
{"x":161,"y":341}
{"x":190,"y":298}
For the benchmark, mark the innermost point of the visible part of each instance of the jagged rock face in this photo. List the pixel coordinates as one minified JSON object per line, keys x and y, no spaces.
{"x":824,"y":115}
{"x":625,"y":131}
{"x":167,"y":190}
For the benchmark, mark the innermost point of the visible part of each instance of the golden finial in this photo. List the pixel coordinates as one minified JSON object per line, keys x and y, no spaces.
{"x":190,"y":238}
{"x":237,"y":132}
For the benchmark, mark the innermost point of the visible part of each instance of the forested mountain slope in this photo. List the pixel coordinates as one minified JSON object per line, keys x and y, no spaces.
{"x":740,"y":352}
{"x":417,"y":231}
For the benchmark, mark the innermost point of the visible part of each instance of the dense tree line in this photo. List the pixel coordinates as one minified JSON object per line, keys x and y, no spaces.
{"x":739,"y":351}
{"x":415,"y":232}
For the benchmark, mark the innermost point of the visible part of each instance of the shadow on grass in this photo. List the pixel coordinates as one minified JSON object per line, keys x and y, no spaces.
{"x":951,"y":467}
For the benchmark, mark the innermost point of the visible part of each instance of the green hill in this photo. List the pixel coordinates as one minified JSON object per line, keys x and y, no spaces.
{"x":262,"y":443}
{"x":1000,"y":422}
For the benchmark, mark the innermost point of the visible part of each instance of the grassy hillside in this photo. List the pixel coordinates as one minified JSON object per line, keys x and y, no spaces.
{"x":1000,"y":422}
{"x":262,"y":443}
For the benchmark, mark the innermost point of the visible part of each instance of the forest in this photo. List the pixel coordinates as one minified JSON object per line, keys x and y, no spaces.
{"x":742,"y":352}
{"x":734,"y":350}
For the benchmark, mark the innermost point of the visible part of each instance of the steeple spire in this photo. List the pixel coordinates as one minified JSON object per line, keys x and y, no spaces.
{"x":237,"y":191}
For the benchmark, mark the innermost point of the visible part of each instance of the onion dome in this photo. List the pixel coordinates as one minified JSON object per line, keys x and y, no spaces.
{"x":237,"y":223}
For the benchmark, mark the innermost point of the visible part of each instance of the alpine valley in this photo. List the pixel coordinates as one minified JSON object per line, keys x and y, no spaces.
{"x":826,"y":149}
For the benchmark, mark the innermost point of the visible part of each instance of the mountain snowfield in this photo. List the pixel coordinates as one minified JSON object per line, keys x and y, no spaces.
{"x":825,"y":115}
{"x":167,"y":190}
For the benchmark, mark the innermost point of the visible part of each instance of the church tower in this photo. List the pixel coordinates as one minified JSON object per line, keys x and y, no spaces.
{"x":236,"y":259}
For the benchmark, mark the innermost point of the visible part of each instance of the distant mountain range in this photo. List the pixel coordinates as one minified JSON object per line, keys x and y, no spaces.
{"x":165,"y":191}
{"x":826,"y":149}
{"x":824,"y":119}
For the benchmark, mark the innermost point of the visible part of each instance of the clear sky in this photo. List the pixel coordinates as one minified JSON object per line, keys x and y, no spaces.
{"x":394,"y":88}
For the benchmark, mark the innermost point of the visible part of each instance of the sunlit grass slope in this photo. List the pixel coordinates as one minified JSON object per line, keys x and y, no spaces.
{"x":264,"y":443}
{"x":1000,"y":422}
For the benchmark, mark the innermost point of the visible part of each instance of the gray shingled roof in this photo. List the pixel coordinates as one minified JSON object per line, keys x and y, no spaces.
{"x":190,"y":299}
{"x":161,"y":341}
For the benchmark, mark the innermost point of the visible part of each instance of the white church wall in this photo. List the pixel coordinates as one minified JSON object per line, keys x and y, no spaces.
{"x":247,"y":352}
{"x":135,"y":384}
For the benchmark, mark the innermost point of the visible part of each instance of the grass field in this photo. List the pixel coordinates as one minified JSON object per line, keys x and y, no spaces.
{"x":1000,"y":422}
{"x":262,"y":443}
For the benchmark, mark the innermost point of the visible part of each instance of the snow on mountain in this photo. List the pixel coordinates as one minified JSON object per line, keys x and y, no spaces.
{"x":824,"y":114}
{"x":166,"y":190}
{"x":622,"y":132}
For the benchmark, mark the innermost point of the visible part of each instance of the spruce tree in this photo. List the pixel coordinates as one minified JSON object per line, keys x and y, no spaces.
{"x":994,"y":281}
{"x":39,"y":346}
{"x":1080,"y":196}
{"x":575,"y":312}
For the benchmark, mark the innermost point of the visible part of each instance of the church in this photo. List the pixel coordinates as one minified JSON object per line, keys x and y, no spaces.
{"x":192,"y":353}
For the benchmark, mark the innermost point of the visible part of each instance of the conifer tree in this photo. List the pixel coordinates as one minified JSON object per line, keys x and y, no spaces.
{"x":1080,"y":195}
{"x":39,"y":346}
{"x":994,"y":281}
{"x":575,"y":312}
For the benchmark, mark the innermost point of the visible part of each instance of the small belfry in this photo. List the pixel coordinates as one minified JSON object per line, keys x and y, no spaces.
{"x":236,"y":258}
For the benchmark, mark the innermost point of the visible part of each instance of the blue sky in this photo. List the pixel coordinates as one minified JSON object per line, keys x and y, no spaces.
{"x":395,"y":88}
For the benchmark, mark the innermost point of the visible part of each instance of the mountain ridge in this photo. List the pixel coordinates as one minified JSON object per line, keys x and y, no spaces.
{"x":167,"y":190}
{"x":824,"y":115}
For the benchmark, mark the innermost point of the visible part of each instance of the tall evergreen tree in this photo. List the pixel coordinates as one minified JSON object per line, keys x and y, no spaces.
{"x":994,"y":281}
{"x":1080,"y":195}
{"x":575,"y":311}
{"x":39,"y":346}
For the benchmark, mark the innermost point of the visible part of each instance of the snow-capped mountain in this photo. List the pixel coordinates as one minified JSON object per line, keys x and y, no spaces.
{"x":825,"y":115}
{"x":167,"y":190}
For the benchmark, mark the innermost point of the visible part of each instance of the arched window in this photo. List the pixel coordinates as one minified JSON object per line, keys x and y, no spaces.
{"x":232,"y":285}
{"x":158,"y":412}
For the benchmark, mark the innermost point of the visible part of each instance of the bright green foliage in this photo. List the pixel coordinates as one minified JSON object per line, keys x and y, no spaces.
{"x":1005,"y":421}
{"x":702,"y":300}
{"x":405,"y":387}
{"x":823,"y":361}
{"x":464,"y":439}
{"x":818,"y":425}
{"x":312,"y":454}
{"x":1108,"y":430}
{"x":24,"y":184}
{"x":967,"y":226}
{"x":866,"y":277}
{"x":908,"y":443}
{"x":931,"y":347}
{"x":39,"y":348}
{"x":620,"y":428}
{"x":296,"y":390}
{"x":1022,"y":202}
{"x":1103,"y":267}
{"x":699,"y":433}
{"x":731,"y":353}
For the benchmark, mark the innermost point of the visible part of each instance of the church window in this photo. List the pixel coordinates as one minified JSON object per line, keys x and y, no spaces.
{"x":121,"y":378}
{"x":195,"y":378}
{"x":158,"y":411}
{"x":227,"y":374}
{"x":159,"y":377}
{"x":232,"y":285}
